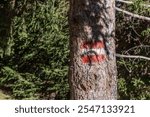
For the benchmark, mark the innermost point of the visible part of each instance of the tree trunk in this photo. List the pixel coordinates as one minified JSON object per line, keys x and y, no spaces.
{"x":6,"y":16}
{"x":92,"y":71}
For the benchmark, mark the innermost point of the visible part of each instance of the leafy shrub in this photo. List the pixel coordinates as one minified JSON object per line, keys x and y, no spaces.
{"x":132,"y":37}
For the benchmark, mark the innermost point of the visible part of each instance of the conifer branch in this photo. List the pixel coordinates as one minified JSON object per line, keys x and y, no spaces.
{"x":133,"y":15}
{"x":130,"y":2}
{"x":133,"y":56}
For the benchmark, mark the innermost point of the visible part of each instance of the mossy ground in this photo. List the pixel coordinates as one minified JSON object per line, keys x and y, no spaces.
{"x":4,"y":96}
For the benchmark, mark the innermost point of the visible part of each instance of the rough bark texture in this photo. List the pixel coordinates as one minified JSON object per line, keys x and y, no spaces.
{"x":92,"y":21}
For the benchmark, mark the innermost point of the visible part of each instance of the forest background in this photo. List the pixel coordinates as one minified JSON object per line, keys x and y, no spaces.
{"x":34,"y":54}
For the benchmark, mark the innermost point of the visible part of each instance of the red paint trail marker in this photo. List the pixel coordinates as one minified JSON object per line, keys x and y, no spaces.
{"x":92,"y":52}
{"x":97,"y":44}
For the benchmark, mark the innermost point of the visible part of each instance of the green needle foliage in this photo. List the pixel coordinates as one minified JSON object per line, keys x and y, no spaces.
{"x":38,"y":65}
{"x":133,"y":38}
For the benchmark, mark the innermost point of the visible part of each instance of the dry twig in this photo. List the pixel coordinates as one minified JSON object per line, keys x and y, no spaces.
{"x":132,"y":56}
{"x":133,"y":15}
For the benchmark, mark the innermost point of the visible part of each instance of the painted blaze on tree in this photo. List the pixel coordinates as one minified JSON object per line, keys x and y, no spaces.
{"x":92,"y":71}
{"x":92,"y":52}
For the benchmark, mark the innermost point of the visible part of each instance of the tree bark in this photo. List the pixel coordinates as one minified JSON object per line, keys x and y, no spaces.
{"x":92,"y":70}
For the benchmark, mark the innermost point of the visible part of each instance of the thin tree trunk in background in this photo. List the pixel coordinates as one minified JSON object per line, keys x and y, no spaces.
{"x":6,"y":16}
{"x":92,"y":71}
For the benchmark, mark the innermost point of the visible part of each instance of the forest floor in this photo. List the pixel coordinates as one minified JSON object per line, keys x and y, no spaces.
{"x":4,"y":96}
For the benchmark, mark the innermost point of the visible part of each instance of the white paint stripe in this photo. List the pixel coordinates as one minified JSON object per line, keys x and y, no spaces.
{"x":94,"y":51}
